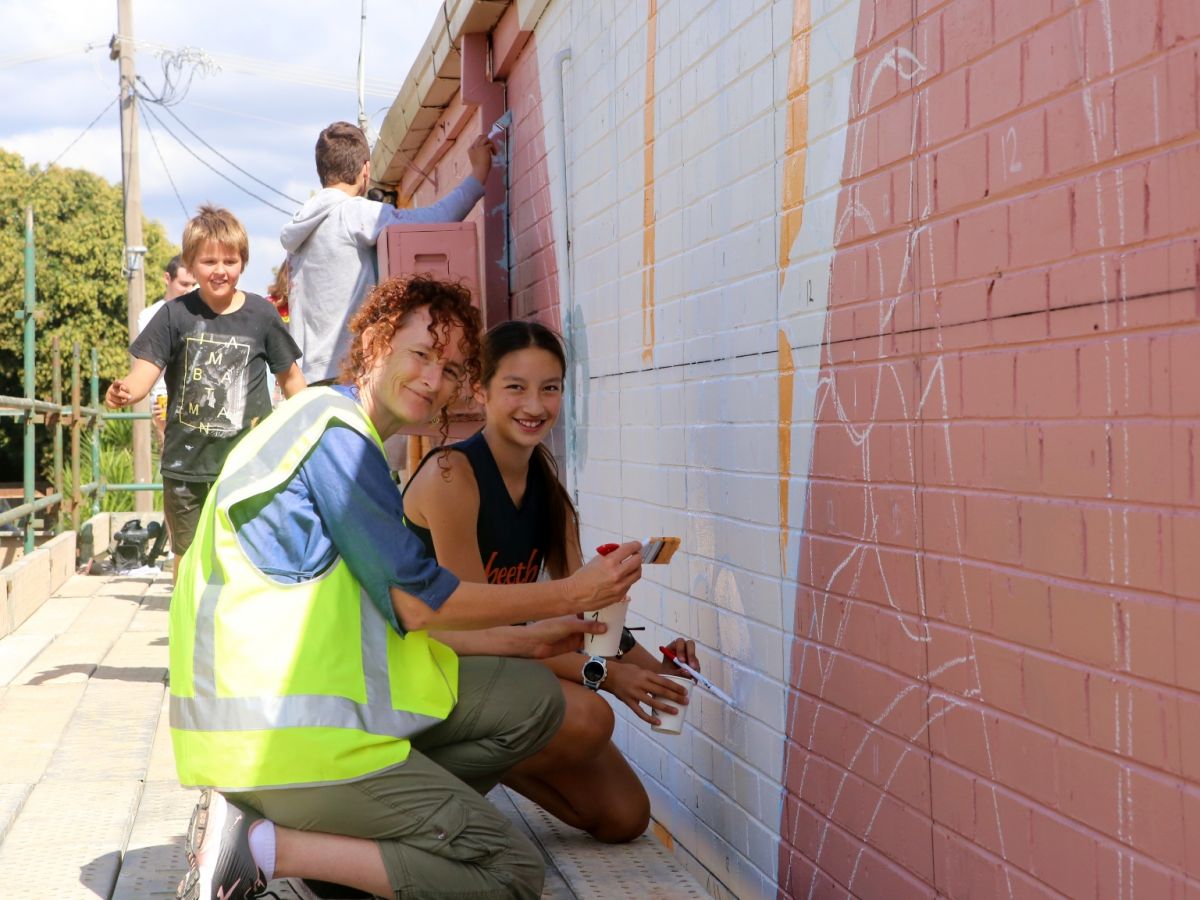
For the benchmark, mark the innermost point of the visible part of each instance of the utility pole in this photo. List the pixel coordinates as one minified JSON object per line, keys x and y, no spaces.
{"x":362,"y":69}
{"x":121,"y":49}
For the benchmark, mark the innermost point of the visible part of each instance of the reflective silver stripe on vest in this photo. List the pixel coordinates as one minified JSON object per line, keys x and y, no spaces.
{"x":294,"y":711}
{"x":258,"y":468}
{"x":207,"y":712}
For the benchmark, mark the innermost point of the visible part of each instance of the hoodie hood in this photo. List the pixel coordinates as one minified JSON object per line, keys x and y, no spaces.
{"x":309,"y":217}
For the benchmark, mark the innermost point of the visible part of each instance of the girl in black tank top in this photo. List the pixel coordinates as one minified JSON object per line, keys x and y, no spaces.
{"x":501,"y":486}
{"x":512,"y":538}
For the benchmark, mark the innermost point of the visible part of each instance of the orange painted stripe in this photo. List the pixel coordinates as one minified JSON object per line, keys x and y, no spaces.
{"x":648,"y":201}
{"x":664,"y":836}
{"x":787,"y":384}
{"x":796,"y":152}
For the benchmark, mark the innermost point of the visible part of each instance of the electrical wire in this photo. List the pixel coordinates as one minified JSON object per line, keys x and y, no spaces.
{"x":8,"y":62}
{"x":162,"y":159}
{"x":213,"y":168}
{"x":213,"y":149}
{"x":292,"y":74}
{"x":90,"y":125}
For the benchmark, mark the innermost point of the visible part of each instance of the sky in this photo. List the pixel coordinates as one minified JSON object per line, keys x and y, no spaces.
{"x":275,"y":73}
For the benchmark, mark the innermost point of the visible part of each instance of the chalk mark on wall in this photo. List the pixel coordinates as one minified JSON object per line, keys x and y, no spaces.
{"x":1121,"y":623}
{"x":1008,"y":153}
{"x":909,"y":67}
{"x":1117,"y":381}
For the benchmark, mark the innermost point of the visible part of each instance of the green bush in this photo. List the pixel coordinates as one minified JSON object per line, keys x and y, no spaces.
{"x":116,"y":465}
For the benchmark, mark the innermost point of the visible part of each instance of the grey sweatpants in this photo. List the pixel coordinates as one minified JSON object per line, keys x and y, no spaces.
{"x":439,"y":837}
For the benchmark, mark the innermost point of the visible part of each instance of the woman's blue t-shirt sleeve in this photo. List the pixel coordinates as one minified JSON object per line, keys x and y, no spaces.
{"x":353,"y":494}
{"x":342,"y":502}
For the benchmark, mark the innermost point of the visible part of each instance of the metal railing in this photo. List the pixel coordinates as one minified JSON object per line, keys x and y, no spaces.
{"x":53,"y":414}
{"x":76,"y":418}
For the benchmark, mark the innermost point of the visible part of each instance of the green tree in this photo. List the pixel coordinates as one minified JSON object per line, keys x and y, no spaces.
{"x":81,"y":291}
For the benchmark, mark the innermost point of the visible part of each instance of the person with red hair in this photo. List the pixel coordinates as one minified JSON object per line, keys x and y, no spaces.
{"x":335,"y":738}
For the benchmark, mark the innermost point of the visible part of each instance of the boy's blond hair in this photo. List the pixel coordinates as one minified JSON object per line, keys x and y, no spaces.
{"x":212,"y":223}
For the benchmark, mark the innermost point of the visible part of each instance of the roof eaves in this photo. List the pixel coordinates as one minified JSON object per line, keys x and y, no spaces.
{"x":430,"y":85}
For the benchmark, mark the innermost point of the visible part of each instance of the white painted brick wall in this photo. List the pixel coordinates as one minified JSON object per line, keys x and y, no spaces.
{"x":689,"y":443}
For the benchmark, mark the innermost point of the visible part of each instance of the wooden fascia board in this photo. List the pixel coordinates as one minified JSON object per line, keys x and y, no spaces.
{"x":428,"y":82}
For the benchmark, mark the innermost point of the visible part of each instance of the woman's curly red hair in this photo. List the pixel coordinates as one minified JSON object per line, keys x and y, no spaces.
{"x":388,"y":308}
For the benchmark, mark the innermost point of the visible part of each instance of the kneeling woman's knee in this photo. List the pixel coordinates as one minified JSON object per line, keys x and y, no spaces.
{"x":589,"y":721}
{"x":625,"y":821}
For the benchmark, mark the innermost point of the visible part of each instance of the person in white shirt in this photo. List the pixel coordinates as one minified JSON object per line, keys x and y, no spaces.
{"x":178,"y":281}
{"x":331,"y":242}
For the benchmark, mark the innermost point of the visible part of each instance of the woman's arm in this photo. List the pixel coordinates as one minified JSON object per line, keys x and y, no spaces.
{"x":444,"y":497}
{"x":600,"y":583}
{"x":549,"y":639}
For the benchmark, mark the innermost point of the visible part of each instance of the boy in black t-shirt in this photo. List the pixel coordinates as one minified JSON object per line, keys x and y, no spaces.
{"x":212,"y":342}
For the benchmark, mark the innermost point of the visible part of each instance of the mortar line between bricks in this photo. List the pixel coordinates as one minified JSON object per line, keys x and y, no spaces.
{"x":984,"y":848}
{"x":924,"y":329}
{"x":1092,"y":503}
{"x":1158,"y":687}
{"x":1010,"y":569}
{"x":1119,"y":160}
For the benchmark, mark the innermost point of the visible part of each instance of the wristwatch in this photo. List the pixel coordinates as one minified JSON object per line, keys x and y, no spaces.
{"x":595,"y":670}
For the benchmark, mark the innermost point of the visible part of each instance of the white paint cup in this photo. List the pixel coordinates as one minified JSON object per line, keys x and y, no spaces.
{"x":673,"y":724}
{"x":609,"y":643}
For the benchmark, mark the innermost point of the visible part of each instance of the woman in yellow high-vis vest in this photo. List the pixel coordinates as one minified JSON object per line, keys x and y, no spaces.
{"x":336,"y":741}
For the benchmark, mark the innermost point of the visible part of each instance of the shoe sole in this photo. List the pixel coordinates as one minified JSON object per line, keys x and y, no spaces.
{"x":189,"y":887}
{"x":197,"y":827}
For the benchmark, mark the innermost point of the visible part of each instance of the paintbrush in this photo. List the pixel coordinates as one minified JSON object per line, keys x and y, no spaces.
{"x":655,"y":550}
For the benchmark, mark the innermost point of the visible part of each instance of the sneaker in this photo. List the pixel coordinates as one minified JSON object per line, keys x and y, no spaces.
{"x":220,"y":866}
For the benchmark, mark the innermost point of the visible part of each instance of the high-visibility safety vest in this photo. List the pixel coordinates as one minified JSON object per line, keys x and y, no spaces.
{"x":282,"y":685}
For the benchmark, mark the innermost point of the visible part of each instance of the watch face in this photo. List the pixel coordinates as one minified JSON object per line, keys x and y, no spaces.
{"x":593,"y":671}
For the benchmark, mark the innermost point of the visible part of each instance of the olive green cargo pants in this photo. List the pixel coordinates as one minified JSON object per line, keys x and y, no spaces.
{"x":438,"y":835}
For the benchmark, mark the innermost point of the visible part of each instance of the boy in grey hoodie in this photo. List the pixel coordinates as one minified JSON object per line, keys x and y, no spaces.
{"x":331,"y":242}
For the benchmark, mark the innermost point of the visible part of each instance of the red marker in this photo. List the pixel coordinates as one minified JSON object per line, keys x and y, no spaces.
{"x":605,"y":549}
{"x":700,"y":679}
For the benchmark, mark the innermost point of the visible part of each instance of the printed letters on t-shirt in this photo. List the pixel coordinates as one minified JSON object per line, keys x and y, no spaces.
{"x":521,"y":573}
{"x":215,"y":383}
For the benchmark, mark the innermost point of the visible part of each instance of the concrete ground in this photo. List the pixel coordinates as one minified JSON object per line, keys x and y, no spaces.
{"x":89,"y":804}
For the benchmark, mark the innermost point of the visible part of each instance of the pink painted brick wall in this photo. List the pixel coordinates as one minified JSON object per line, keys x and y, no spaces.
{"x":533,"y":269}
{"x":996,"y":670}
{"x":534,"y":276}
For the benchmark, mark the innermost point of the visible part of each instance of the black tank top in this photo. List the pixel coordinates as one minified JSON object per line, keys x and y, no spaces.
{"x":512,"y":539}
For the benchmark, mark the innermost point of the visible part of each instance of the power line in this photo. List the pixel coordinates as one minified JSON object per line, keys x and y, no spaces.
{"x":162,"y":159}
{"x":8,"y":62}
{"x":214,"y":150}
{"x":292,"y":74}
{"x":90,"y":125}
{"x":211,"y":167}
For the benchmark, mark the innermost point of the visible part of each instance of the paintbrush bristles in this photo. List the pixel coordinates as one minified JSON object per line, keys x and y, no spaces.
{"x":659,"y":550}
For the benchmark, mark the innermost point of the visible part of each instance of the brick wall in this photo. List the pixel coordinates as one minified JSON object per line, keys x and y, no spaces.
{"x":992,"y":693}
{"x":889,"y":309}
